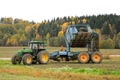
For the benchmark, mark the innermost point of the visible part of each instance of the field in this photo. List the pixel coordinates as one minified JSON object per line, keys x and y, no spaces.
{"x":109,"y":69}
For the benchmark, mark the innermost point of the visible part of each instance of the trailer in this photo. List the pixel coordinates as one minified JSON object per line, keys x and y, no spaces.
{"x":80,"y":35}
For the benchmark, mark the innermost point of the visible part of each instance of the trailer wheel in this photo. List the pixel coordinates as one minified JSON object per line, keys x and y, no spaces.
{"x":27,"y":59}
{"x":15,"y":59}
{"x":96,"y":57}
{"x":83,"y":57}
{"x":43,"y":57}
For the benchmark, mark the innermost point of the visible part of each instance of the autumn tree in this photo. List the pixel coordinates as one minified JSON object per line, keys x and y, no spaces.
{"x":15,"y":40}
{"x":107,"y":44}
{"x":4,"y":39}
{"x":7,"y":20}
{"x":48,"y":39}
{"x":117,"y":43}
{"x":37,"y":37}
{"x":8,"y":42}
{"x":84,"y":21}
{"x":23,"y":40}
{"x":105,"y":29}
{"x":61,"y":33}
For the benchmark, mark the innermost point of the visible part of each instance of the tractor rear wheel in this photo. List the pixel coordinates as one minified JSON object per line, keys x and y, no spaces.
{"x":83,"y":57}
{"x":15,"y":59}
{"x":27,"y":59}
{"x":43,"y":57}
{"x":96,"y":57}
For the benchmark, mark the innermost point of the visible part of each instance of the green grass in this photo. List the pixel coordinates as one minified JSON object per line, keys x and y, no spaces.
{"x":92,"y":71}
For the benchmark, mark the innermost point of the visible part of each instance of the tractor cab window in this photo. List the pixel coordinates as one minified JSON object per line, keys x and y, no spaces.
{"x":34,"y":46}
{"x":31,"y":46}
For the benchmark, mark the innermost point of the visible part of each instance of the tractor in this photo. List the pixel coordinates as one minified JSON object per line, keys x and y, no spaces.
{"x":80,"y":35}
{"x":36,"y":53}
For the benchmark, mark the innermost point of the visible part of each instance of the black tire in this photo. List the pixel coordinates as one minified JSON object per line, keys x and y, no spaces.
{"x":15,"y":59}
{"x":96,"y":57}
{"x":83,"y":57}
{"x":43,"y":57}
{"x":27,"y":59}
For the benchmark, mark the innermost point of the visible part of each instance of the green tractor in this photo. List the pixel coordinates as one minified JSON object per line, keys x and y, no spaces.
{"x":36,"y":53}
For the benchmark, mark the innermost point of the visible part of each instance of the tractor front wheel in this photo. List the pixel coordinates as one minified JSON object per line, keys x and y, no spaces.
{"x":27,"y":59}
{"x":15,"y":59}
{"x":96,"y":57}
{"x":83,"y":57}
{"x":43,"y":57}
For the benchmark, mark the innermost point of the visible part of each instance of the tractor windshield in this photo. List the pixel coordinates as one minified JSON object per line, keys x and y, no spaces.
{"x":34,"y":46}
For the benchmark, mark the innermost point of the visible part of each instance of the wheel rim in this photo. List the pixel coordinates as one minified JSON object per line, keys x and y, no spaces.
{"x":44,"y":57}
{"x":28,"y":59}
{"x":83,"y":58}
{"x":96,"y":58}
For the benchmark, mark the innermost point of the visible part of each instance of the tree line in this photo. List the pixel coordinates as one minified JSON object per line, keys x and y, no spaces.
{"x":18,"y":32}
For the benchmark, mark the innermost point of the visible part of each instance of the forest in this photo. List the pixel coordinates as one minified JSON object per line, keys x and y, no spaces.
{"x":18,"y":32}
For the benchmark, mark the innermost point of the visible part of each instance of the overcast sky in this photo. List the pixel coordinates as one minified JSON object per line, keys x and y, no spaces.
{"x":39,"y":10}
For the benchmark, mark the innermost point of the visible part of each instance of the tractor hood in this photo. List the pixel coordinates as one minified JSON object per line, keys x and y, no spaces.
{"x":20,"y":52}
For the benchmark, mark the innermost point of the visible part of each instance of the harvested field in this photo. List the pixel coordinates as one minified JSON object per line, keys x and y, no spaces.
{"x":6,"y":52}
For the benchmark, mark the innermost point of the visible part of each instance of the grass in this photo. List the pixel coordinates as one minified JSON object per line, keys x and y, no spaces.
{"x":92,"y":71}
{"x":6,"y":76}
{"x":20,"y":72}
{"x":39,"y":72}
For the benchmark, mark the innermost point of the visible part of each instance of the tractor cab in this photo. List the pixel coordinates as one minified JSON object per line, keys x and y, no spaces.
{"x":36,"y":46}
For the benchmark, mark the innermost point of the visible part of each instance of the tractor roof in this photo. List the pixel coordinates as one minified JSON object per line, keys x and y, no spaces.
{"x":37,"y":42}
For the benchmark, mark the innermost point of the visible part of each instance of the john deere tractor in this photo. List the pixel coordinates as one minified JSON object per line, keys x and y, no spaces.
{"x":36,"y":53}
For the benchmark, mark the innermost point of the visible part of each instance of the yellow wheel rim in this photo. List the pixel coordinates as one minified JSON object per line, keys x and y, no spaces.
{"x":28,"y":59}
{"x":44,"y":57}
{"x":96,"y":57}
{"x":83,"y":58}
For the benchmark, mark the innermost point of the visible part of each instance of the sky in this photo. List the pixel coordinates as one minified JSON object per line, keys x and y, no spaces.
{"x":40,"y":10}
